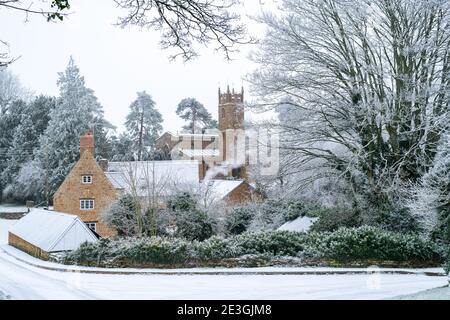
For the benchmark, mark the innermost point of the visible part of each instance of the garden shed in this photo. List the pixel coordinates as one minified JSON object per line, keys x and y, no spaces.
{"x":42,"y":232}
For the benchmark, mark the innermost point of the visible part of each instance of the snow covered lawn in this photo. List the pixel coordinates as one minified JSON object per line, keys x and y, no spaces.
{"x":23,"y":281}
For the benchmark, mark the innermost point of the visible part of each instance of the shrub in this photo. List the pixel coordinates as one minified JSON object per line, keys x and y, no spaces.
{"x":331,"y":219}
{"x":392,"y":218}
{"x":158,"y":251}
{"x":370,"y":243}
{"x":276,"y":243}
{"x":344,"y":245}
{"x":194,"y":225}
{"x":215,"y":248}
{"x":121,"y":215}
{"x":292,"y":209}
{"x":155,"y":250}
{"x":238,"y":220}
{"x":185,"y":220}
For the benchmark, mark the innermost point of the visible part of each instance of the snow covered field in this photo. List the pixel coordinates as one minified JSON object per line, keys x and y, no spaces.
{"x":23,"y":281}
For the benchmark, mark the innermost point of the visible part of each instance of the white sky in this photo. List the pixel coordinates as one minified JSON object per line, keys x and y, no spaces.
{"x":116,"y":63}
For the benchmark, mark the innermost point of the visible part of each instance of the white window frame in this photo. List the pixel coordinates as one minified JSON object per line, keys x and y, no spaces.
{"x":86,"y":179}
{"x":87,"y":204}
{"x":89,"y":224}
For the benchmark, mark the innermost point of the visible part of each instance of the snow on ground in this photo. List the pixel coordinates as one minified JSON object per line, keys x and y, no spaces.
{"x":4,"y":226}
{"x":442,"y":293}
{"x":300,"y":224}
{"x":23,"y":281}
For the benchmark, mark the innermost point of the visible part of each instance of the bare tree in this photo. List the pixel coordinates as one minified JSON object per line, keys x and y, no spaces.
{"x":368,"y":87}
{"x":148,"y":184}
{"x":186,"y":23}
{"x":51,"y":10}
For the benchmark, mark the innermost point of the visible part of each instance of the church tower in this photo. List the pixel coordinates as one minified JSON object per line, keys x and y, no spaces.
{"x":231,"y":123}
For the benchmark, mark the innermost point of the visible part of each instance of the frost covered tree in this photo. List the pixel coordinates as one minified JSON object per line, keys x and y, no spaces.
{"x":20,"y":130}
{"x":144,"y":125}
{"x":9,"y":121}
{"x":121,"y":216}
{"x":122,"y":148}
{"x":10,"y":90}
{"x":430,"y":199}
{"x":77,"y":111}
{"x":367,"y":84}
{"x":196,"y":115}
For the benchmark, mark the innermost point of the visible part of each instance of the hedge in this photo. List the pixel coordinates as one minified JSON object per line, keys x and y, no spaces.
{"x":345,"y":244}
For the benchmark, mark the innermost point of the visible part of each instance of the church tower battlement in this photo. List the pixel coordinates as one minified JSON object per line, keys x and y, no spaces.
{"x":231,"y":110}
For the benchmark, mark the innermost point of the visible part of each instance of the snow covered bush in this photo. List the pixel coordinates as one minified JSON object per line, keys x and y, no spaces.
{"x":392,"y":218}
{"x":155,"y":251}
{"x":216,"y":248}
{"x":331,"y":219}
{"x":238,"y":220}
{"x":370,"y":243}
{"x":121,"y":215}
{"x":346,"y":246}
{"x":260,"y":216}
{"x":184,"y":219}
{"x":276,"y":243}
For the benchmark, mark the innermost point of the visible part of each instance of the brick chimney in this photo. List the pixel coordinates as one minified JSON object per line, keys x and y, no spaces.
{"x":103,"y":163}
{"x":87,"y":143}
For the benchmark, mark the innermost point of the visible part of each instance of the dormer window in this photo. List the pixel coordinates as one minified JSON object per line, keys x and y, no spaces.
{"x":86,"y":179}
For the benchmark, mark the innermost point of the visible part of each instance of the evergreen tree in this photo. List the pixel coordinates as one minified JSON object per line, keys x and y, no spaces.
{"x":143,"y":125}
{"x":122,"y":149}
{"x":77,"y":111}
{"x":20,"y":130}
{"x":196,"y":115}
{"x":9,"y":121}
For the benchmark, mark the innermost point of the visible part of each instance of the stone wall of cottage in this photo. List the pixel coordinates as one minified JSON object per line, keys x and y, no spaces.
{"x":27,"y":247}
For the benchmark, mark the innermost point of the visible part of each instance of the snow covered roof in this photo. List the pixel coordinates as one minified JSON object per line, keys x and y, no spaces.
{"x":222,"y":188}
{"x":154,"y":174}
{"x":199,"y":135}
{"x":195,"y":136}
{"x":52,"y":231}
{"x":301,"y":224}
{"x":200,"y":152}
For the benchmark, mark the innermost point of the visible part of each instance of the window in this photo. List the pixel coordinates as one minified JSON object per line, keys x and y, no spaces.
{"x":223,"y":113}
{"x":86,"y":179}
{"x":92,"y":226}
{"x":87,"y":204}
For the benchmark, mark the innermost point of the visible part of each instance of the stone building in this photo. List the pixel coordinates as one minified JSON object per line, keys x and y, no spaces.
{"x":86,"y":191}
{"x":223,"y":148}
{"x":92,"y":187}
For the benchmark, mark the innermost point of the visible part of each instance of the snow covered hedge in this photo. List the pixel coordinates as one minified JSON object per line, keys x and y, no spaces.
{"x":372,"y":243}
{"x":344,"y":245}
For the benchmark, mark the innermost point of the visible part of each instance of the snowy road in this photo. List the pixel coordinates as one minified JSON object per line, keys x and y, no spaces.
{"x":22,"y":281}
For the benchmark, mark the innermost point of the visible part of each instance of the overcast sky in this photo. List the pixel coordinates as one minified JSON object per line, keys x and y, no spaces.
{"x":116,"y":63}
